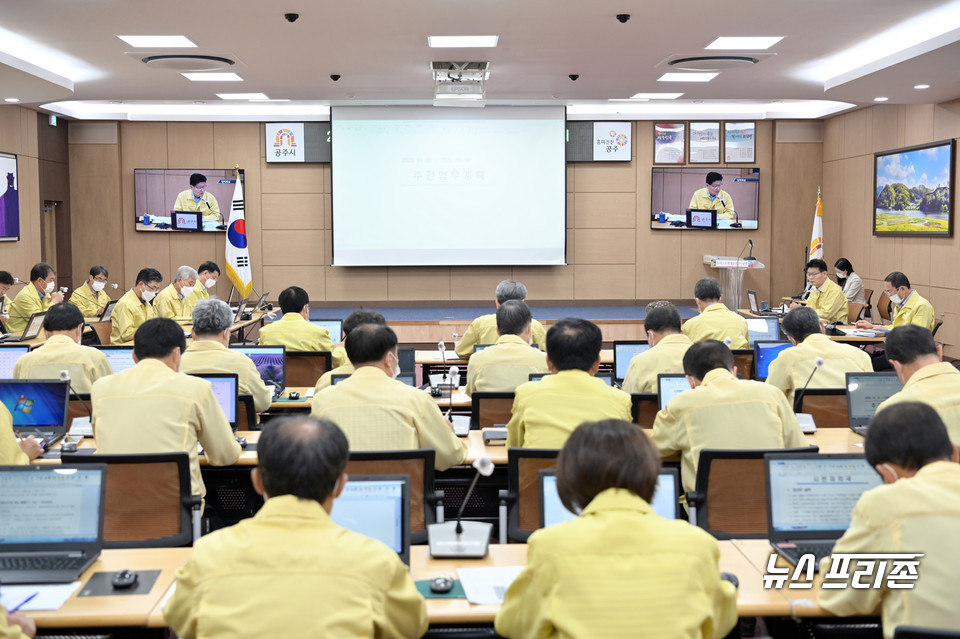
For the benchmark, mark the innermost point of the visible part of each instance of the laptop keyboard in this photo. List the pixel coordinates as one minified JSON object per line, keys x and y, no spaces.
{"x":41,"y":562}
{"x":818,"y":549}
{"x":859,"y":430}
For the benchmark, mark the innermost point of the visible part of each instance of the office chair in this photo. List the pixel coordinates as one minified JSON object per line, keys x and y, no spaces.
{"x":827,"y":405}
{"x":304,"y":368}
{"x":520,"y":503}
{"x":644,"y":408}
{"x":490,"y":408}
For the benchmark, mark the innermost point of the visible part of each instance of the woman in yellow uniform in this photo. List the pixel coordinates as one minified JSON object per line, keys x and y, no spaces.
{"x":90,"y":298}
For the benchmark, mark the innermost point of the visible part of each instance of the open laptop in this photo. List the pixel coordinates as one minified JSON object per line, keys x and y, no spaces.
{"x":606,"y":377}
{"x":108,"y":311}
{"x":333,"y":326}
{"x":38,"y":407}
{"x":810,"y":499}
{"x":669,"y":386}
{"x":765,"y":352}
{"x":51,"y":521}
{"x":377,"y":506}
{"x":763,"y":329}
{"x":407,"y":356}
{"x":8,"y":358}
{"x":241,"y":309}
{"x":623,"y":352}
{"x":866,"y":391}
{"x":755,"y":306}
{"x":226,"y":390}
{"x":552,"y":511}
{"x":31,"y":330}
{"x":270,"y":362}
{"x":120,"y":357}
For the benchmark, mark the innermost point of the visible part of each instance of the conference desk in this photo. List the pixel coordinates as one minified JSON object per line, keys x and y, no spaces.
{"x":304,"y":404}
{"x":851,"y":339}
{"x":256,"y":319}
{"x":433,"y":358}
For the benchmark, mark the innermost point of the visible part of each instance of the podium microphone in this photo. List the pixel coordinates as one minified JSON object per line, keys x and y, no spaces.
{"x":750,"y":258}
{"x":65,"y":377}
{"x":817,"y":365}
{"x":459,"y":538}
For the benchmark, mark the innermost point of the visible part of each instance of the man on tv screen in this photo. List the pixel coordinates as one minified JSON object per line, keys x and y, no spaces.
{"x":714,"y":197}
{"x":196,"y":198}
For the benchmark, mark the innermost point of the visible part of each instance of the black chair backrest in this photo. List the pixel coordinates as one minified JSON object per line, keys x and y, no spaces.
{"x":523,"y":475}
{"x":489,"y":408}
{"x":644,"y":408}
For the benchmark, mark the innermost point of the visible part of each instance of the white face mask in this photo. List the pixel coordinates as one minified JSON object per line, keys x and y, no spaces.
{"x":841,"y":274}
{"x":895,"y":298}
{"x":98,"y":286}
{"x":209,"y":283}
{"x":186,"y":291}
{"x":51,"y":287}
{"x":396,"y":368}
{"x":148,"y":295}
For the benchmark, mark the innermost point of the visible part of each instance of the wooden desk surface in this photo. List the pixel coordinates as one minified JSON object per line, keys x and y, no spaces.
{"x":752,"y":599}
{"x":801,"y":602}
{"x":837,"y":440}
{"x":125,"y":610}
{"x":304,"y":404}
{"x":432,"y":358}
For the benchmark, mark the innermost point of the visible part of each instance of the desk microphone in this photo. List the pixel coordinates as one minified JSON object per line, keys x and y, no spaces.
{"x":750,"y":258}
{"x":736,"y":216}
{"x":65,"y":377}
{"x":454,"y":372}
{"x":460,"y":538}
{"x":817,"y":365}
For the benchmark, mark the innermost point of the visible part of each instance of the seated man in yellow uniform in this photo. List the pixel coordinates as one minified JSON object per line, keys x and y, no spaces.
{"x":207,"y":275}
{"x":714,"y":197}
{"x":483,"y":330}
{"x":377,"y":412}
{"x":62,"y":351}
{"x":208,"y":353}
{"x":915,"y":511}
{"x":614,"y":571}
{"x":665,"y":355}
{"x":6,"y":281}
{"x":16,"y":625}
{"x":35,"y":297}
{"x":196,"y":198}
{"x":153,"y":408}
{"x":546,"y":412}
{"x":792,"y":367}
{"x":135,"y":306}
{"x":294,"y":330}
{"x":172,"y":301}
{"x":826,"y":297}
{"x":13,"y":450}
{"x":354,"y":319}
{"x":90,"y":298}
{"x":918,"y":361}
{"x":908,"y":306}
{"x":290,"y":571}
{"x":715,"y":320}
{"x":509,"y":362}
{"x":722,"y":411}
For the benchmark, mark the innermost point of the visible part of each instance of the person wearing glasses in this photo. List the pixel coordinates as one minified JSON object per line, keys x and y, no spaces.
{"x":714,"y":197}
{"x":135,"y":307}
{"x":196,"y":198}
{"x":90,"y":298}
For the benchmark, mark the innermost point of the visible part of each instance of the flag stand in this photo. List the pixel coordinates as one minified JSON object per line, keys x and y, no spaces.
{"x":233,"y":289}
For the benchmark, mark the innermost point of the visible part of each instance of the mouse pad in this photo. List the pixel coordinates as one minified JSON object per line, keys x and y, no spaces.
{"x":55,"y":453}
{"x":293,"y":401}
{"x":99,"y":584}
{"x":424,"y":587}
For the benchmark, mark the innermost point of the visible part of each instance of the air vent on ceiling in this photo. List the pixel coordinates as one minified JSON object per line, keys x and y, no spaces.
{"x":461,"y":70}
{"x":186,"y":62}
{"x":712,"y":62}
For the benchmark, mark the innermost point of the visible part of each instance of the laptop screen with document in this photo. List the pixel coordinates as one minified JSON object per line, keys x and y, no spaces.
{"x":120,"y":357}
{"x":50,"y":505}
{"x":866,"y":391}
{"x":552,"y":510}
{"x":763,"y":328}
{"x":8,"y":358}
{"x":377,"y":506}
{"x":669,"y":386}
{"x":623,"y":352}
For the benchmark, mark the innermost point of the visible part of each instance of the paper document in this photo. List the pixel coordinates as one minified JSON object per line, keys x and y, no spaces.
{"x":81,"y":427}
{"x":44,"y":596}
{"x":310,"y":392}
{"x":487,"y":586}
{"x":166,"y":597}
{"x":461,"y":425}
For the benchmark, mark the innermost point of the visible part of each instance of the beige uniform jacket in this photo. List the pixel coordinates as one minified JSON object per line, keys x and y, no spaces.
{"x":89,"y":301}
{"x":129,"y":313}
{"x":327,"y":378}
{"x":914,"y":310}
{"x":169,"y":303}
{"x":27,"y":302}
{"x":666,"y":357}
{"x":297,"y":334}
{"x":85,"y":364}
{"x":207,"y":356}
{"x":792,"y":367}
{"x":939,"y":386}
{"x":483,"y":330}
{"x":10,"y":453}
{"x":718,"y":322}
{"x":504,"y":366}
{"x":829,"y":302}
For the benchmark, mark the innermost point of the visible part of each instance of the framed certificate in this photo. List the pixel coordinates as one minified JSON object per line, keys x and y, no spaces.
{"x":704,"y":142}
{"x":669,"y":143}
{"x":739,"y":141}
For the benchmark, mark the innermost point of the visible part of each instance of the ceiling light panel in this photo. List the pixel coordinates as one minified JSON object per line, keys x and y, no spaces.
{"x":158,"y":41}
{"x":448,"y":42}
{"x":212,"y":77}
{"x":243,"y":96}
{"x":746,"y":43}
{"x":687,"y":77}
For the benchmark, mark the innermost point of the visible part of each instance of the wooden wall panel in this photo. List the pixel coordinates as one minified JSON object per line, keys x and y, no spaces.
{"x":362,"y":285}
{"x":293,"y":211}
{"x":545,"y":282}
{"x":886,"y":130}
{"x":18,"y":135}
{"x":477,"y":282}
{"x":604,"y":281}
{"x":292,"y":247}
{"x":418,"y":283}
{"x":95,"y":199}
{"x":605,"y":210}
{"x":605,"y":246}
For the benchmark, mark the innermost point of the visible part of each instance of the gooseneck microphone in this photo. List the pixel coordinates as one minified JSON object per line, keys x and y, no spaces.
{"x":459,"y":538}
{"x":736,"y":216}
{"x":750,"y":258}
{"x":65,"y":377}
{"x":817,"y":365}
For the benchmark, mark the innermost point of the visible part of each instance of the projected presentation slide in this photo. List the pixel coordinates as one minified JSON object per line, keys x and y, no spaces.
{"x":429,"y":186}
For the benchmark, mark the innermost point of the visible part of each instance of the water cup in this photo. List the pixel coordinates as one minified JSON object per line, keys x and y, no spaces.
{"x":662,"y":217}
{"x":146,"y":220}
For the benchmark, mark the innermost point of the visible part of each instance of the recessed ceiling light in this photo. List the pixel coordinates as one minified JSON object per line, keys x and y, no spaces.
{"x":269,"y":99}
{"x":655,"y":96}
{"x":921,"y":86}
{"x":880,"y":99}
{"x":212,"y":77}
{"x":447,"y":42}
{"x":687,"y":77}
{"x":744,"y":43}
{"x":158,"y":41}
{"x":243,"y":96}
{"x":628,"y":99}
{"x":11,"y":99}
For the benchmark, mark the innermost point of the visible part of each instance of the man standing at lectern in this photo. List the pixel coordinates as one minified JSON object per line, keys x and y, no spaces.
{"x":714,"y":197}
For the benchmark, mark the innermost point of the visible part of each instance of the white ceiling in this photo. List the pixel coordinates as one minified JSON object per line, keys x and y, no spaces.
{"x":835,"y":54}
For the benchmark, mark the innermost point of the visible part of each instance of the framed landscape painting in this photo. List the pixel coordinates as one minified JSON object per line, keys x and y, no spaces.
{"x":913,"y":191}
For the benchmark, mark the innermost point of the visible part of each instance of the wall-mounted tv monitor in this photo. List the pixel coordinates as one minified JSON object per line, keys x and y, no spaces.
{"x":164,"y":200}
{"x":913,"y":191}
{"x":673,"y":206}
{"x":589,"y":141}
{"x":411,"y":185}
{"x":9,"y":199}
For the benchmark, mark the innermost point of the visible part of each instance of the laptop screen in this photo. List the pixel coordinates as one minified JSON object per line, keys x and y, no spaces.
{"x":766,"y":352}
{"x":50,"y":505}
{"x":120,"y":357}
{"x":763,"y":328}
{"x":376,"y":506}
{"x":553,"y":511}
{"x":669,"y":386}
{"x":186,"y":220}
{"x":866,"y":391}
{"x":34,"y":325}
{"x":269,"y":360}
{"x":333,"y":326}
{"x":754,"y":304}
{"x":623,"y":352}
{"x":815,"y":493}
{"x":35,"y":404}
{"x":8,"y":357}
{"x":225,"y":390}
